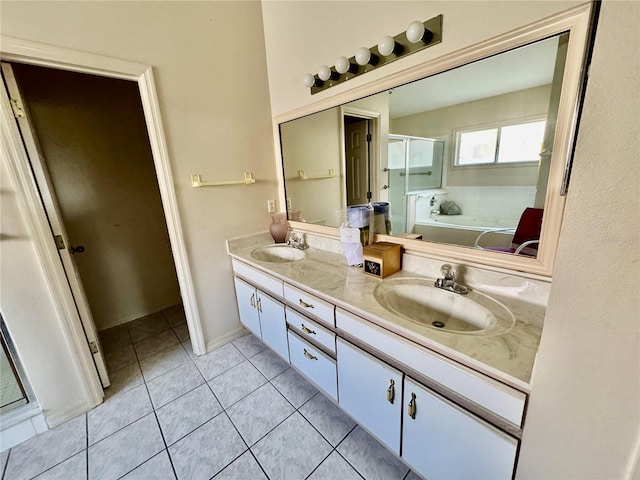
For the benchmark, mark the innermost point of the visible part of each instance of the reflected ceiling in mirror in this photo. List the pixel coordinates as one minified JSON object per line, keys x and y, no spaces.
{"x":459,"y":156}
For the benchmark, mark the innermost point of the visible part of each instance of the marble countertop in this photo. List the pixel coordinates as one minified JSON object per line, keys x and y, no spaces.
{"x":507,"y":356}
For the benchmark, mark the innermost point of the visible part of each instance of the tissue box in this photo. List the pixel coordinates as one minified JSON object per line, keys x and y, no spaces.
{"x":382,"y":259}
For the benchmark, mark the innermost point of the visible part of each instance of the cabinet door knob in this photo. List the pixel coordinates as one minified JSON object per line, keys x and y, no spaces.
{"x":305,"y":304}
{"x":309,"y":356}
{"x":391,"y":391}
{"x":260,"y":305}
{"x":307,"y":330}
{"x":252,"y":300}
{"x":412,"y":406}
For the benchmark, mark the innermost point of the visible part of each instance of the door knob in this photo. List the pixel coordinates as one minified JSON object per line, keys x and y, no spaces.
{"x":78,"y":249}
{"x":385,"y":186}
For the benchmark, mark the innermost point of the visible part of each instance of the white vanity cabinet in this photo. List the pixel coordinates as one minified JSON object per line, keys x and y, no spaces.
{"x":262,"y":314}
{"x":386,"y":382}
{"x":371,"y":392}
{"x":440,"y":440}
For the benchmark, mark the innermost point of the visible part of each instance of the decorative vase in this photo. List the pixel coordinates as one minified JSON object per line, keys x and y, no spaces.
{"x":279,"y":228}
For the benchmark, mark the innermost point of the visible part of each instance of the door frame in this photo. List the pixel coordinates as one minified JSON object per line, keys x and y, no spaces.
{"x":374,"y":152}
{"x":23,"y":51}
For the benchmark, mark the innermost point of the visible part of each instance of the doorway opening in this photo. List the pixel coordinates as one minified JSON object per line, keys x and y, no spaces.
{"x":90,"y":153}
{"x":35,"y":218}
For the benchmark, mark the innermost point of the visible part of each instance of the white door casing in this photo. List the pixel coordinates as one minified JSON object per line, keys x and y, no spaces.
{"x":33,"y":53}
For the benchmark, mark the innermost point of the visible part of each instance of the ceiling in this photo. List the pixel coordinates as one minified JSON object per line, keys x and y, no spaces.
{"x":525,"y":67}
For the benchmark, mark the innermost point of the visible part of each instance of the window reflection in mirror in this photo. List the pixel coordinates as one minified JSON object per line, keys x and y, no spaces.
{"x":456,"y":154}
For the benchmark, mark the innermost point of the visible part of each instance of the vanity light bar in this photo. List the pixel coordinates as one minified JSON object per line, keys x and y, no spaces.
{"x":388,"y":49}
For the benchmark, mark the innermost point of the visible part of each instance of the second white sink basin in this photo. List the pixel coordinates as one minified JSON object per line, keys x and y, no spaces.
{"x":278,"y":253}
{"x":419,"y":301}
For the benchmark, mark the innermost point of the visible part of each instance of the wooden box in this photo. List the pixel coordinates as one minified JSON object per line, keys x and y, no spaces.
{"x":382,"y":259}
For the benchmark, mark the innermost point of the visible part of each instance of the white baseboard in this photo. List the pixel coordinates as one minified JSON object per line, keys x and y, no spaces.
{"x":72,"y":411}
{"x":229,"y":337}
{"x":135,"y":316}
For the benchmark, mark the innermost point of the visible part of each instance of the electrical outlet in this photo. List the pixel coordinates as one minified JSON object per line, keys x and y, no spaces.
{"x":271,"y":206}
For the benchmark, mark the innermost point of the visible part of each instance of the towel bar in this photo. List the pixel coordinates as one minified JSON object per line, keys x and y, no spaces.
{"x":196,"y":181}
{"x":302,"y":176}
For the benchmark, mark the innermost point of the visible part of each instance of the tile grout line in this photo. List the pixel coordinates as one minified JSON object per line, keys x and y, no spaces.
{"x":86,"y":424}
{"x":6,"y":464}
{"x":224,"y":411}
{"x":164,"y":441}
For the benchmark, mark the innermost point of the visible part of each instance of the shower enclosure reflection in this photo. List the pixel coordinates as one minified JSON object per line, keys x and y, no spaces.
{"x":414,"y":168}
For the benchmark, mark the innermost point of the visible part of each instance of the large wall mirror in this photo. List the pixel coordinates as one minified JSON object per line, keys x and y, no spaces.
{"x":468,"y":161}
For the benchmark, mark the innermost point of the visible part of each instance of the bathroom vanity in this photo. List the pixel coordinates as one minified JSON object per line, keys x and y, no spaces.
{"x":441,"y":378}
{"x":450,"y":402}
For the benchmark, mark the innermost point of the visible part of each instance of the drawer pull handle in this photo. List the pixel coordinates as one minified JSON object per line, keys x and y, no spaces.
{"x":252,"y":300}
{"x":307,"y":330}
{"x":260,"y":305}
{"x":412,"y":406}
{"x":305,"y":304}
{"x":309,"y":356}
{"x":391,"y":391}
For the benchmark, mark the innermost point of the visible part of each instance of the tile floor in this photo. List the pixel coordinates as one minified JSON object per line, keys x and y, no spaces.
{"x":239,"y":412}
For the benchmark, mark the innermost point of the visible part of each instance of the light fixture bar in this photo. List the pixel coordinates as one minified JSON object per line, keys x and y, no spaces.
{"x":403,"y":48}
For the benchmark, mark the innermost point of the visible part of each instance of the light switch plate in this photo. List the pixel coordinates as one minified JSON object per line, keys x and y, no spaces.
{"x":271,"y":206}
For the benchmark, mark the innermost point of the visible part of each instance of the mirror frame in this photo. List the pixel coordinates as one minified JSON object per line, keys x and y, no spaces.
{"x":577,"y":21}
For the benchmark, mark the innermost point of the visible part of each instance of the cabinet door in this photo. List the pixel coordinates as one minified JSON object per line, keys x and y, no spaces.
{"x":246,"y":297}
{"x":445,"y":441}
{"x":363,"y":389}
{"x":273,"y":324}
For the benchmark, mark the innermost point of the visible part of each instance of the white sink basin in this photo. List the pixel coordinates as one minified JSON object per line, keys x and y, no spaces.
{"x":278,"y":253}
{"x":419,"y":301}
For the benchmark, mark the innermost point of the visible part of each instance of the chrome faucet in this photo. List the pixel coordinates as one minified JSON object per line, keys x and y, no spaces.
{"x":448,"y":282}
{"x":296,"y":240}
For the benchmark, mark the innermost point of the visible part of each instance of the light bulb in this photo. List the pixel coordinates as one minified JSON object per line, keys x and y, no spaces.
{"x":343,"y":65}
{"x":363,"y":55}
{"x":415,"y":31}
{"x":386,"y":45}
{"x":324,"y":73}
{"x":309,"y":80}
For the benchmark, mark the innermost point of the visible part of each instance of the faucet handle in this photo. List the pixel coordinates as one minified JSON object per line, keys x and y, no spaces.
{"x":447,"y":272}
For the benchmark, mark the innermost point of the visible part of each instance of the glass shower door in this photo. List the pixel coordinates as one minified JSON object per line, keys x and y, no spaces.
{"x":397,"y":188}
{"x":13,"y":392}
{"x":415,"y":165}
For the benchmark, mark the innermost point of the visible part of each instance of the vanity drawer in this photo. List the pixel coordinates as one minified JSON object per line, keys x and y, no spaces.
{"x":494,"y":396}
{"x":265,"y":282}
{"x":309,"y":328}
{"x":311,"y":304}
{"x":315,"y":364}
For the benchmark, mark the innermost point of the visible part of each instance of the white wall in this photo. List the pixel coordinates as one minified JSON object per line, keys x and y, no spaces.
{"x":36,"y":332}
{"x":94,"y":140}
{"x":214,"y":101}
{"x":583,"y":417}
